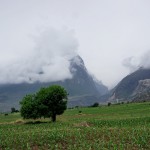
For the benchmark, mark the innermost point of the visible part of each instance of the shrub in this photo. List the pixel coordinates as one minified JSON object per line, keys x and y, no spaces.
{"x":95,"y":104}
{"x":109,"y":104}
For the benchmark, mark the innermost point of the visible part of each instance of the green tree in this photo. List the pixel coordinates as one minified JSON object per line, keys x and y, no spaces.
{"x":29,"y":107}
{"x":47,"y":102}
{"x":109,"y":104}
{"x":13,"y":110}
{"x":55,"y":100}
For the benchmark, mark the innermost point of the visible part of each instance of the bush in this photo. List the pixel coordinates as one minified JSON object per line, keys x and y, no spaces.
{"x":80,"y":111}
{"x":14,"y":110}
{"x":109,"y":104}
{"x":95,"y":104}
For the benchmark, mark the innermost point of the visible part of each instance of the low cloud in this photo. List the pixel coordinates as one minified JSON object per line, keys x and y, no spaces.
{"x":131,"y":63}
{"x":134,"y":63}
{"x":145,"y":60}
{"x":48,"y":60}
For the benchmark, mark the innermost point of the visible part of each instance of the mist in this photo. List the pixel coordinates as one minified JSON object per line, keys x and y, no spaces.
{"x":133,"y":63}
{"x":45,"y":59}
{"x":108,"y":33}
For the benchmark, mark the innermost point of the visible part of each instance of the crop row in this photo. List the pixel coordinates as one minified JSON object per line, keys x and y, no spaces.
{"x":84,"y":135}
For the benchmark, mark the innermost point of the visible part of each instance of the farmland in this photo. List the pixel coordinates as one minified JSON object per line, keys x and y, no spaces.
{"x":125,"y":126}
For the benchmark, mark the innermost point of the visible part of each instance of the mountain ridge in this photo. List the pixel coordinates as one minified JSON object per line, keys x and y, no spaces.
{"x":126,"y":88}
{"x":82,"y":89}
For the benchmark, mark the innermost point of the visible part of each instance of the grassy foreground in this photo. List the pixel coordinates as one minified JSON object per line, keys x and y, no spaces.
{"x":115,"y":127}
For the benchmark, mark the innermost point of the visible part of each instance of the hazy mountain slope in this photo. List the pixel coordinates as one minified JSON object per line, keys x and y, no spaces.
{"x":82,"y":89}
{"x":128,"y":85}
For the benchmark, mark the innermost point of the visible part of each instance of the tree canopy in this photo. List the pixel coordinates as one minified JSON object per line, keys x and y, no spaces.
{"x":47,"y":102}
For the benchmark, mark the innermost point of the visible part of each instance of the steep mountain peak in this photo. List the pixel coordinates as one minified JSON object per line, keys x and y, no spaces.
{"x":77,"y":61}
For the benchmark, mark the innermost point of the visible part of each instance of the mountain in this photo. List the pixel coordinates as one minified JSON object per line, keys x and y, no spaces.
{"x":83,"y":89}
{"x":130,"y":86}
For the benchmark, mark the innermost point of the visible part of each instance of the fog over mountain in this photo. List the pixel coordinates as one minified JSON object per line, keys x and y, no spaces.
{"x":46,"y":61}
{"x":82,"y":88}
{"x":51,"y":58}
{"x":133,"y":63}
{"x":107,"y":32}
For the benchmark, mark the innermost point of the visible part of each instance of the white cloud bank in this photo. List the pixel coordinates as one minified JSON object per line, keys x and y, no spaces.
{"x":133,"y":63}
{"x":47,"y":60}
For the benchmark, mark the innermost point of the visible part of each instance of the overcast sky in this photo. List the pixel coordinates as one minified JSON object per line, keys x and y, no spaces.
{"x":39,"y":37}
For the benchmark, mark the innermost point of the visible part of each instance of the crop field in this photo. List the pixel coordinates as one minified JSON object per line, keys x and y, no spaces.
{"x":115,"y":127}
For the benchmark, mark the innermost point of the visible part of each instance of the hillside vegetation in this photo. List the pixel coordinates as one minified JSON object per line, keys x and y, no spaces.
{"x":125,"y":126}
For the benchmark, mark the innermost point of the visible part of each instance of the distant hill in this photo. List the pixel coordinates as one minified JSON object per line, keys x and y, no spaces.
{"x":129,"y":87}
{"x":82,"y":88}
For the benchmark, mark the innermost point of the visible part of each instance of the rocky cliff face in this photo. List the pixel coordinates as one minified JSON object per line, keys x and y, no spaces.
{"x":82,"y":88}
{"x":143,"y":85}
{"x":142,"y":92}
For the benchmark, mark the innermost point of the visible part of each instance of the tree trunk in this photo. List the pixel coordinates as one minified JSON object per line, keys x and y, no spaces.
{"x":53,"y":117}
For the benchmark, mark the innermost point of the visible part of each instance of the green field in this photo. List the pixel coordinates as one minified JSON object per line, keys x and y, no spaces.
{"x":125,"y":126}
